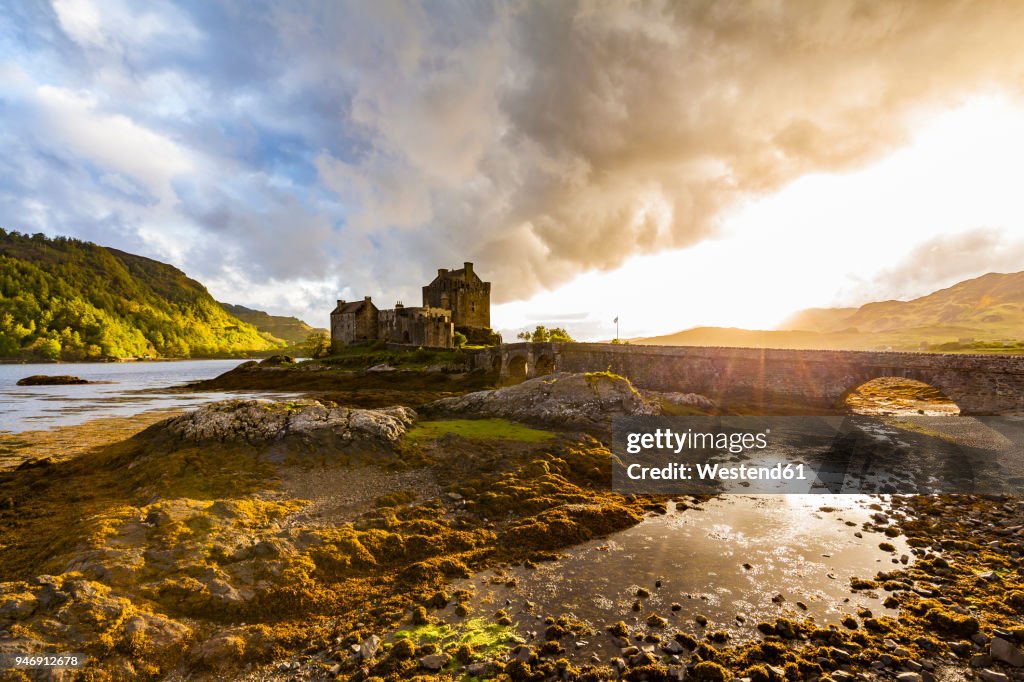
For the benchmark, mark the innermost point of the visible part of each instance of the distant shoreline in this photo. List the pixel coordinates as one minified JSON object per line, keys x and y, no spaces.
{"x":115,"y":361}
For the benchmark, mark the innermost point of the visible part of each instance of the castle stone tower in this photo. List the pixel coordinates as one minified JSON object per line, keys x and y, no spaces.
{"x":463,"y":293}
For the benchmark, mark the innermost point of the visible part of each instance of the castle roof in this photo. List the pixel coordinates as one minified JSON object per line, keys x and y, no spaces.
{"x":350,"y":307}
{"x":464,"y":274}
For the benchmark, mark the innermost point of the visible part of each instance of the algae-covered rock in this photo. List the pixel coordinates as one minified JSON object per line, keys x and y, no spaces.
{"x":47,"y":380}
{"x":260,"y":422}
{"x":561,"y":399}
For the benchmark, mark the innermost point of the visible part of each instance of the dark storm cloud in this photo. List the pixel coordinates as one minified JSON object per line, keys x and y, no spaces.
{"x":361,"y":145}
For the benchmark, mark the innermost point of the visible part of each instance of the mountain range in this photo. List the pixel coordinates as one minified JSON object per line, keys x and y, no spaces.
{"x":289,"y":329}
{"x":981,"y":314}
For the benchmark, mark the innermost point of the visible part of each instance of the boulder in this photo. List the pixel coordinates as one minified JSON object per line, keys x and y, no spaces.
{"x":561,"y":399}
{"x":264,"y":422}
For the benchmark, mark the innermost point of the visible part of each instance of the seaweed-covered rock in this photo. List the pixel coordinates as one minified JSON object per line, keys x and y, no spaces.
{"x":46,"y":380}
{"x":561,"y":399}
{"x":694,"y":400}
{"x":277,"y":361}
{"x":259,"y":422}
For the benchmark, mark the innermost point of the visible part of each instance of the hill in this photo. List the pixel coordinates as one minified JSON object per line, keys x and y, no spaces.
{"x":290,"y":329}
{"x":751,"y":338}
{"x":986,"y":307}
{"x":983,"y":314}
{"x":73,"y":300}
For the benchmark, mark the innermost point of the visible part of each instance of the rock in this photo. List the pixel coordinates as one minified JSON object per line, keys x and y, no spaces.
{"x":264,"y":422}
{"x":523,"y":653}
{"x":59,"y":380}
{"x":674,"y":647}
{"x":381,"y":368}
{"x":368,"y":647}
{"x":483,"y":669}
{"x":277,"y":361}
{"x":980,"y":660}
{"x":222,"y":650}
{"x":561,"y":399}
{"x":1002,"y":650}
{"x":908,"y":677}
{"x":988,"y":675}
{"x":17,"y":607}
{"x":685,"y":399}
{"x":160,"y":634}
{"x":434,"y":662}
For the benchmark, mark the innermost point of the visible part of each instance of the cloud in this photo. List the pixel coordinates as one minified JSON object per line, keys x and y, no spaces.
{"x":356,"y":146}
{"x":616,"y":130}
{"x":947,"y":259}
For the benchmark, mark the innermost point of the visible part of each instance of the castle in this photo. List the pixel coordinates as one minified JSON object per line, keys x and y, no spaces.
{"x":456,"y":300}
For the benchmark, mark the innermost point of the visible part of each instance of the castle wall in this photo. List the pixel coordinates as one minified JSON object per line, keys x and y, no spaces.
{"x":428,"y":327}
{"x":354,"y":327}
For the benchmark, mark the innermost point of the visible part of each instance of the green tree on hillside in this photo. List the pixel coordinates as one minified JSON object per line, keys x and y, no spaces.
{"x":72,"y":300}
{"x":317,"y":345}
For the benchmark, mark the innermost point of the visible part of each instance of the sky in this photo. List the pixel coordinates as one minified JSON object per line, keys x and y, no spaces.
{"x":673,"y":164}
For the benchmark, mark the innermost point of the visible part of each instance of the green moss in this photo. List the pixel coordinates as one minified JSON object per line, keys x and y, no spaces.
{"x":709,"y":671}
{"x":478,"y":429}
{"x":482,"y":636}
{"x":396,"y":499}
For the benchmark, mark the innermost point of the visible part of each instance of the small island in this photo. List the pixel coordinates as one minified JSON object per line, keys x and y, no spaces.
{"x":55,"y":380}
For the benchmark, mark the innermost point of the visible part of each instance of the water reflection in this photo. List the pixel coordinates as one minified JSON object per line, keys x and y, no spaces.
{"x":736,"y":560}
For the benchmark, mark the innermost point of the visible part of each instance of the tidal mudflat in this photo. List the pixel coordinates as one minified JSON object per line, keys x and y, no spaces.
{"x":476,"y":537}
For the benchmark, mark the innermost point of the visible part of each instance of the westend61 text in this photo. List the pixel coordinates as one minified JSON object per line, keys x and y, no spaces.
{"x":717,"y":472}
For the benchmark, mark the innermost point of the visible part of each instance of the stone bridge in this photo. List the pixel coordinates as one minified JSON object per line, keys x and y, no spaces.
{"x":978,"y":384}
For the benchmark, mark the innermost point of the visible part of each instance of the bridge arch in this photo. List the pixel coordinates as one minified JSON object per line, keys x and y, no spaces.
{"x":545,"y":364}
{"x":517,"y":369}
{"x":897,"y":394}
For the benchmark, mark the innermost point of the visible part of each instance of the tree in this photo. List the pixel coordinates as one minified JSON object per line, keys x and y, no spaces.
{"x":317,"y":345}
{"x":559,"y":335}
{"x":459,"y":339}
{"x":543,"y":335}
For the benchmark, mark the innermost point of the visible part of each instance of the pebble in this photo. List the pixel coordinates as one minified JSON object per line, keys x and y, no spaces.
{"x":908,"y":677}
{"x":433,"y":661}
{"x":483,"y":669}
{"x":369,"y":646}
{"x":988,"y":675}
{"x":673,"y":647}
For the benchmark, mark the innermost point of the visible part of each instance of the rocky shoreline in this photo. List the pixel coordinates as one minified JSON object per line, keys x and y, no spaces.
{"x":310,"y":539}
